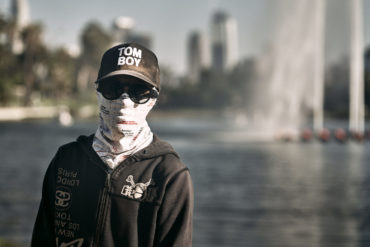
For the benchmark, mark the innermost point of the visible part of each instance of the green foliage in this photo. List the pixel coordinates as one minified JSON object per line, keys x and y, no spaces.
{"x":95,"y":40}
{"x":214,"y":89}
{"x":10,"y":75}
{"x":56,"y":77}
{"x":7,"y":243}
{"x":242,"y":82}
{"x":34,"y":55}
{"x":42,"y":75}
{"x":59,"y":81}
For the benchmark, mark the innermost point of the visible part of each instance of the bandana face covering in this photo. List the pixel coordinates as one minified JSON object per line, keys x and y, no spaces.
{"x":123,"y":128}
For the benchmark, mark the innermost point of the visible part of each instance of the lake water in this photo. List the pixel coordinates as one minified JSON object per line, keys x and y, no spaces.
{"x":247,"y":193}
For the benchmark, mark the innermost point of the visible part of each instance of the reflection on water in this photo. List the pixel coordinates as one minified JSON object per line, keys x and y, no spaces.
{"x":247,"y":193}
{"x":280,"y":195}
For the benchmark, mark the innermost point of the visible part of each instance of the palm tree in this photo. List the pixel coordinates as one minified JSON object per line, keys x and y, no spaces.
{"x":34,"y":52}
{"x":95,"y":40}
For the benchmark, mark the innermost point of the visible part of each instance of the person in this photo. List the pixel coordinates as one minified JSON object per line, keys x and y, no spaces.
{"x":123,"y":185}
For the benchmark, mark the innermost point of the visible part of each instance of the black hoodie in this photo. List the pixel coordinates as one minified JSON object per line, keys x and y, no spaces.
{"x":147,"y":200}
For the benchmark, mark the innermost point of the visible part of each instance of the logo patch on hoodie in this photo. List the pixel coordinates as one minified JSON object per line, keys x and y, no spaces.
{"x":63,"y":198}
{"x":134,"y":190}
{"x":74,"y":243}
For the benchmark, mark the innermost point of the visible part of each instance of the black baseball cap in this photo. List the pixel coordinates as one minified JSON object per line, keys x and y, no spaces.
{"x":130,"y":59}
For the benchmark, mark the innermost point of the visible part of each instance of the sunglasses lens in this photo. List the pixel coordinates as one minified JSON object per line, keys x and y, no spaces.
{"x":139,"y":94}
{"x":109,"y":90}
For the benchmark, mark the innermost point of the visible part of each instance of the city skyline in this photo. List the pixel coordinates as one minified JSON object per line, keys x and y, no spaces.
{"x":224,"y":41}
{"x":198,"y":56}
{"x":170,"y":23}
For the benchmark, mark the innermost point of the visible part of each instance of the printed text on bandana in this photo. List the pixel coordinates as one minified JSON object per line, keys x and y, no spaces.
{"x":129,"y":55}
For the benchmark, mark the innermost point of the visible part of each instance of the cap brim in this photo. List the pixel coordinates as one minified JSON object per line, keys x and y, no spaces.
{"x":129,"y":73}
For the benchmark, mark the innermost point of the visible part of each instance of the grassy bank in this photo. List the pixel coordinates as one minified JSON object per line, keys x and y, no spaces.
{"x":8,"y":243}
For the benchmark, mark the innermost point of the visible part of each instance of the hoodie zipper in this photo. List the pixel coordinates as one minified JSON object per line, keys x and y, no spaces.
{"x":102,"y":210}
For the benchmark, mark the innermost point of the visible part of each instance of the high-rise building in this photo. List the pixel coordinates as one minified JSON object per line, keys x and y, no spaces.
{"x":224,"y":41}
{"x":123,"y":31}
{"x":20,"y":13}
{"x":197,"y":55}
{"x":122,"y":28}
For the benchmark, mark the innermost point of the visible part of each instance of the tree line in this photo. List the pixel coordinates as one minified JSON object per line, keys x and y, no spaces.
{"x":41,"y":74}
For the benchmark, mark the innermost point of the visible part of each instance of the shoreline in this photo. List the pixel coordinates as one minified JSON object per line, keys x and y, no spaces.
{"x":24,"y":113}
{"x":19,"y":113}
{"x":65,"y":114}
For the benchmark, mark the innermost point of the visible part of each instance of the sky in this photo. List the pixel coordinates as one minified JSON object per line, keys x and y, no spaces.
{"x":170,"y":22}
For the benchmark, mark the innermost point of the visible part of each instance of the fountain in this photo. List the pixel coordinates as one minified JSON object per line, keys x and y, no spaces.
{"x":356,"y":121}
{"x":291,"y":73}
{"x":318,"y":89}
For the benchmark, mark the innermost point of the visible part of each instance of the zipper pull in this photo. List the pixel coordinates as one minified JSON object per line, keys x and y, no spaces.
{"x":107,"y":181}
